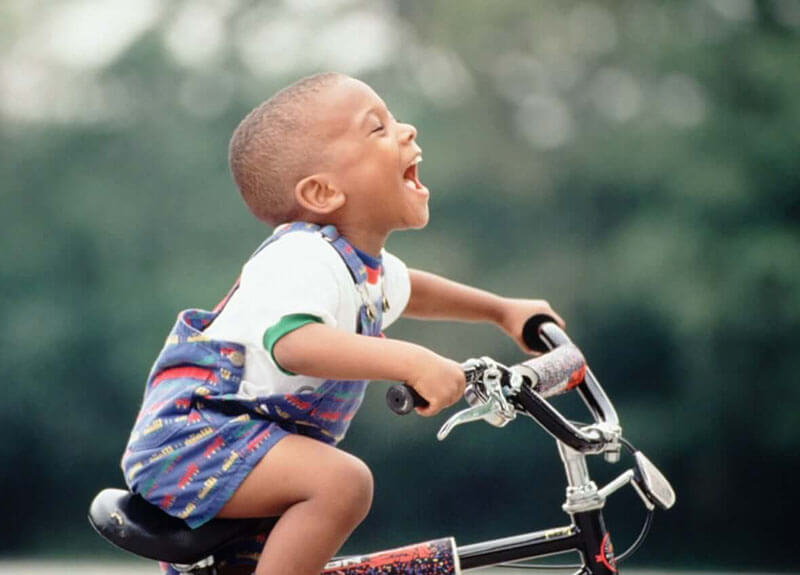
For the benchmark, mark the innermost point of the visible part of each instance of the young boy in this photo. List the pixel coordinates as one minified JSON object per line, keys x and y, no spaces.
{"x":245,"y":404}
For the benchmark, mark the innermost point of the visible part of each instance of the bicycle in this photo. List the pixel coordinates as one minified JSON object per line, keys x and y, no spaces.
{"x":495,"y":394}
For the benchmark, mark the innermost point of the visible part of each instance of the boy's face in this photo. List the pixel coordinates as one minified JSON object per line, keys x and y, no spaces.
{"x":371,"y":158}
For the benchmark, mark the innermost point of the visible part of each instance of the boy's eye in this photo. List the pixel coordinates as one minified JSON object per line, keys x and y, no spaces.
{"x":378,"y":129}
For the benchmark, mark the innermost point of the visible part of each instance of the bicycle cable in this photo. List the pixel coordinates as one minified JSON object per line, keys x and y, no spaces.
{"x":648,"y":521}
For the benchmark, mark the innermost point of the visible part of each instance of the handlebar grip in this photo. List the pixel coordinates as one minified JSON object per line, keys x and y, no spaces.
{"x":531,"y":333}
{"x":590,"y":389}
{"x":402,"y":399}
{"x":557,"y":371}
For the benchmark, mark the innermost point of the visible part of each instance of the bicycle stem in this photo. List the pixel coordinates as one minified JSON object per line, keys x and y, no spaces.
{"x":581,"y":493}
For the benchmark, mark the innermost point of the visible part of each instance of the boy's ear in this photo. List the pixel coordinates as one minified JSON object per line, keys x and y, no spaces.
{"x":318,"y":195}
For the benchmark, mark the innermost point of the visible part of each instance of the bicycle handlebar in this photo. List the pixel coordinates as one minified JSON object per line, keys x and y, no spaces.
{"x":402,"y":399}
{"x":554,"y":372}
{"x":531,"y":332}
{"x":562,"y":370}
{"x":589,"y":389}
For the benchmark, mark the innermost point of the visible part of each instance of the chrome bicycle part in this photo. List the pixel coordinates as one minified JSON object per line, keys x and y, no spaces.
{"x":582,"y":494}
{"x":610,"y":434}
{"x":621,"y":481}
{"x":486,"y":395}
{"x":202,"y":567}
{"x":652,"y":482}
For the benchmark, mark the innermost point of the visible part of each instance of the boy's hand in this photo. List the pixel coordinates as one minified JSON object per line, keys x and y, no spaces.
{"x":439,"y":380}
{"x":515,"y":312}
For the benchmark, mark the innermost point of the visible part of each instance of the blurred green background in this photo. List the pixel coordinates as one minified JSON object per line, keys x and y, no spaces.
{"x":633,"y":162}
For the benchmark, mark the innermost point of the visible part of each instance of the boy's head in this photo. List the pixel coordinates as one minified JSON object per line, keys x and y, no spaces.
{"x":326,"y":149}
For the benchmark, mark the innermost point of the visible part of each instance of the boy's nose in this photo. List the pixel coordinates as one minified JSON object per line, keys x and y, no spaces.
{"x":408,"y":132}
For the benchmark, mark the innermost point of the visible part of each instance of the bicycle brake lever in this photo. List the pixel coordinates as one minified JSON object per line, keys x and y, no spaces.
{"x":468,"y":415}
{"x":486,"y":398}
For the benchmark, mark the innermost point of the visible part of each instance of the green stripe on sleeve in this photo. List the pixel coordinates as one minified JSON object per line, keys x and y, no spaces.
{"x":287,"y":323}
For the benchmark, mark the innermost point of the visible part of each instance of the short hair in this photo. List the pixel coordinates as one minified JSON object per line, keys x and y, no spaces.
{"x":269,"y":151}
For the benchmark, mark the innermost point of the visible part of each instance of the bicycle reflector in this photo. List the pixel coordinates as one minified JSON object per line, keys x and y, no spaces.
{"x":652,"y":482}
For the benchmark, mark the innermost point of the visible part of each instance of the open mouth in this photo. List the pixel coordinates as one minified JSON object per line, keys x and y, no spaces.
{"x":411,"y":175}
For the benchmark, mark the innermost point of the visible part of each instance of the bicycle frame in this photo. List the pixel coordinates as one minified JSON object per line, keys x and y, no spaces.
{"x":579,"y":536}
{"x":586,"y":535}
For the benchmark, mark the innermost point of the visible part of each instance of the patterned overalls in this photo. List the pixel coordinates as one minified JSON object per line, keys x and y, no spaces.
{"x":196,"y":439}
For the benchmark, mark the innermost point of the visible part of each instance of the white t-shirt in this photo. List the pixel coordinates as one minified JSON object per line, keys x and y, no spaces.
{"x":299,"y":273}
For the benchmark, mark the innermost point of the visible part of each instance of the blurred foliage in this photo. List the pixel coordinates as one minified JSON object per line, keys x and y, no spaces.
{"x":634,"y":162}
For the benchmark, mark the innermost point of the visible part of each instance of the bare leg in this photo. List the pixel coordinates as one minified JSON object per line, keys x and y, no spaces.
{"x":321,"y":494}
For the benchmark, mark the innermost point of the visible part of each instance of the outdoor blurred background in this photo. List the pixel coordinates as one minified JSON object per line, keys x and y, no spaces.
{"x":633,"y":162}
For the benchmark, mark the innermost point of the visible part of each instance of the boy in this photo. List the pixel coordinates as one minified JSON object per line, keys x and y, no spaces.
{"x":245,"y":404}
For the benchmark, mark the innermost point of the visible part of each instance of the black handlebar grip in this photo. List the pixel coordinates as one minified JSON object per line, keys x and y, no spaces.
{"x":402,"y":399}
{"x":530,"y":332}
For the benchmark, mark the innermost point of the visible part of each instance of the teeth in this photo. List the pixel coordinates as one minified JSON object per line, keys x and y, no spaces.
{"x":415,"y":161}
{"x":411,"y":182}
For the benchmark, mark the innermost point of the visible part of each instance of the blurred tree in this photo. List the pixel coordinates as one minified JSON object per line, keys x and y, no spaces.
{"x":634,"y":162}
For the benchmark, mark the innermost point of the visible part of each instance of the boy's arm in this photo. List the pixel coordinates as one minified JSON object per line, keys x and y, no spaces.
{"x":434,"y":297}
{"x":318,"y":350}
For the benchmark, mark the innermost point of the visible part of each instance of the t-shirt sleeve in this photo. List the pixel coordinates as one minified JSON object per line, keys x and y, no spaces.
{"x":285,"y":325}
{"x":398,"y":287}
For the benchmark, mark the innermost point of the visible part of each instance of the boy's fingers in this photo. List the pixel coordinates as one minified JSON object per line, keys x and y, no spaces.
{"x":559,"y":320}
{"x":436,"y":406}
{"x":429,"y":410}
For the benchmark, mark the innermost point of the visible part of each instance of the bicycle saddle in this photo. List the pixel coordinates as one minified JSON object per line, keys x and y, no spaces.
{"x":131,"y":523}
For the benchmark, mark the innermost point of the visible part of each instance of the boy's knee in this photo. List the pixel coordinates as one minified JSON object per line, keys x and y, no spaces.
{"x":363,"y":485}
{"x":350,"y":489}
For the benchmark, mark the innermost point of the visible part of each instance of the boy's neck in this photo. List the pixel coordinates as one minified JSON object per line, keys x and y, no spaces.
{"x":367,"y":241}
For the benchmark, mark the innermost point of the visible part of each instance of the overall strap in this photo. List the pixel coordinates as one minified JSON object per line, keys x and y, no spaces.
{"x":370,"y":316}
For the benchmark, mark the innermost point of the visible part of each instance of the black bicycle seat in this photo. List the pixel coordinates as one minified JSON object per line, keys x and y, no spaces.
{"x":131,"y":523}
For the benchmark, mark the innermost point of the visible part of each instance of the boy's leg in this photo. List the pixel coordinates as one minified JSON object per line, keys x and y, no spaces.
{"x":321,"y":494}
